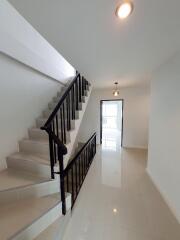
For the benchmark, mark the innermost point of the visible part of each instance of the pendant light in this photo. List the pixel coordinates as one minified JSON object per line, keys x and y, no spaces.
{"x":116,"y":91}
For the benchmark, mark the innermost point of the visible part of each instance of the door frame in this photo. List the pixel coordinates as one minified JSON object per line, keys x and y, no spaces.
{"x":122,"y":130}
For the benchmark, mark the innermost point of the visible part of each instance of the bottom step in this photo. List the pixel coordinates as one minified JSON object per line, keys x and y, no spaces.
{"x":26,"y":219}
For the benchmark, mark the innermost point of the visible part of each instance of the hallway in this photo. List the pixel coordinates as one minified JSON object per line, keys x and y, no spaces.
{"x":118,"y":201}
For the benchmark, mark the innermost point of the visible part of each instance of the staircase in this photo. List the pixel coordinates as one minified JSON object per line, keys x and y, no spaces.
{"x":33,"y":204}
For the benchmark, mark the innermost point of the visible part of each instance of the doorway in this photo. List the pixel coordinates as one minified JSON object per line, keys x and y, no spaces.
{"x":111,"y":121}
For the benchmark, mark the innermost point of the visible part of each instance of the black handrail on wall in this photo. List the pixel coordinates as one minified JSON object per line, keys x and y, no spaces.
{"x":59,"y":122}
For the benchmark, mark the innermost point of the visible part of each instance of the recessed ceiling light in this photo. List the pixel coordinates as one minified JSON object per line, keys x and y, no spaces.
{"x":115,"y":210}
{"x":124,"y":9}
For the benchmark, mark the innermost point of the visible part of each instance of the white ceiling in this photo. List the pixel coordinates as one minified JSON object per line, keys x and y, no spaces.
{"x":103,"y":48}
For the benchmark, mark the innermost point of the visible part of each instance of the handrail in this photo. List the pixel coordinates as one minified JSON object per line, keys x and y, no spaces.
{"x":74,"y":174}
{"x":78,"y":153}
{"x":61,"y":101}
{"x":59,"y":123}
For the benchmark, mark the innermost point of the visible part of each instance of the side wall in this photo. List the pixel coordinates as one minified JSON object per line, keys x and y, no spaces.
{"x":164,"y":140}
{"x":24,"y":93}
{"x":136,"y":113}
{"x":22,"y":42}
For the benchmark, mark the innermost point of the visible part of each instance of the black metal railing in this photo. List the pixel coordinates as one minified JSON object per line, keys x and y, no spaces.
{"x":75,"y":173}
{"x":57,"y":126}
{"x":60,"y":120}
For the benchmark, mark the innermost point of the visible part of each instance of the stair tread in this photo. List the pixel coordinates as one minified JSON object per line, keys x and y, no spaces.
{"x":17,"y":216}
{"x":11,"y":178}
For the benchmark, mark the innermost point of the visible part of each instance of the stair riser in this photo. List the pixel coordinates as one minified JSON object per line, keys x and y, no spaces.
{"x":53,"y":104}
{"x":38,"y":134}
{"x":40,"y":122}
{"x":42,"y":223}
{"x":33,"y":167}
{"x":33,"y":191}
{"x":57,"y":99}
{"x":63,"y":89}
{"x":47,"y":113}
{"x":34,"y":147}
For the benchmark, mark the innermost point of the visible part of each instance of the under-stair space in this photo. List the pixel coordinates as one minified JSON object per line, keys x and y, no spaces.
{"x":30,"y":199}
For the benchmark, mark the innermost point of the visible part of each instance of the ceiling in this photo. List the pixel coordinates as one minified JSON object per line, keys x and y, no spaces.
{"x":100,"y":46}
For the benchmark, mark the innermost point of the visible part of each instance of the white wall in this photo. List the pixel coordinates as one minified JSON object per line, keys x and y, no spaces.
{"x":24,"y":93}
{"x":22,"y":42}
{"x":136,"y":113}
{"x":164,"y":140}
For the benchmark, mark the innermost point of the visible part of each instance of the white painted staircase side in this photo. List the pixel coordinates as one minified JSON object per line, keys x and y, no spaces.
{"x":30,"y":203}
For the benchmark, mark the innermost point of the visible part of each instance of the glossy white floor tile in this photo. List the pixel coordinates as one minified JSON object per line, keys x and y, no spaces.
{"x":118,"y":201}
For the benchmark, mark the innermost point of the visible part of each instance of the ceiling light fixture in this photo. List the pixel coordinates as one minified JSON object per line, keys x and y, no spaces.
{"x":124,"y":9}
{"x":116,"y":91}
{"x":114,"y":210}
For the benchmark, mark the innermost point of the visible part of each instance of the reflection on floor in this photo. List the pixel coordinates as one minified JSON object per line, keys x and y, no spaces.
{"x":111,"y":139}
{"x":119,"y":202}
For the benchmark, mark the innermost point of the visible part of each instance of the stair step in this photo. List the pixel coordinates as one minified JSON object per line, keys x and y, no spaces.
{"x":38,"y":134}
{"x":37,"y":147}
{"x":53,"y":104}
{"x":17,"y":185}
{"x":34,"y":146}
{"x":57,"y":99}
{"x":26,"y":219}
{"x":48,"y":112}
{"x":34,"y":163}
{"x":10,"y":178}
{"x":63,"y":89}
{"x":41,"y":121}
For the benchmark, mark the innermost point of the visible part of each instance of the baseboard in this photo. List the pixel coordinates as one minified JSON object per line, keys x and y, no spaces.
{"x":136,"y":147}
{"x":164,"y":196}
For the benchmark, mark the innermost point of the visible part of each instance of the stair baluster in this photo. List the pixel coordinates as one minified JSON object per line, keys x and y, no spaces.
{"x":57,"y":125}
